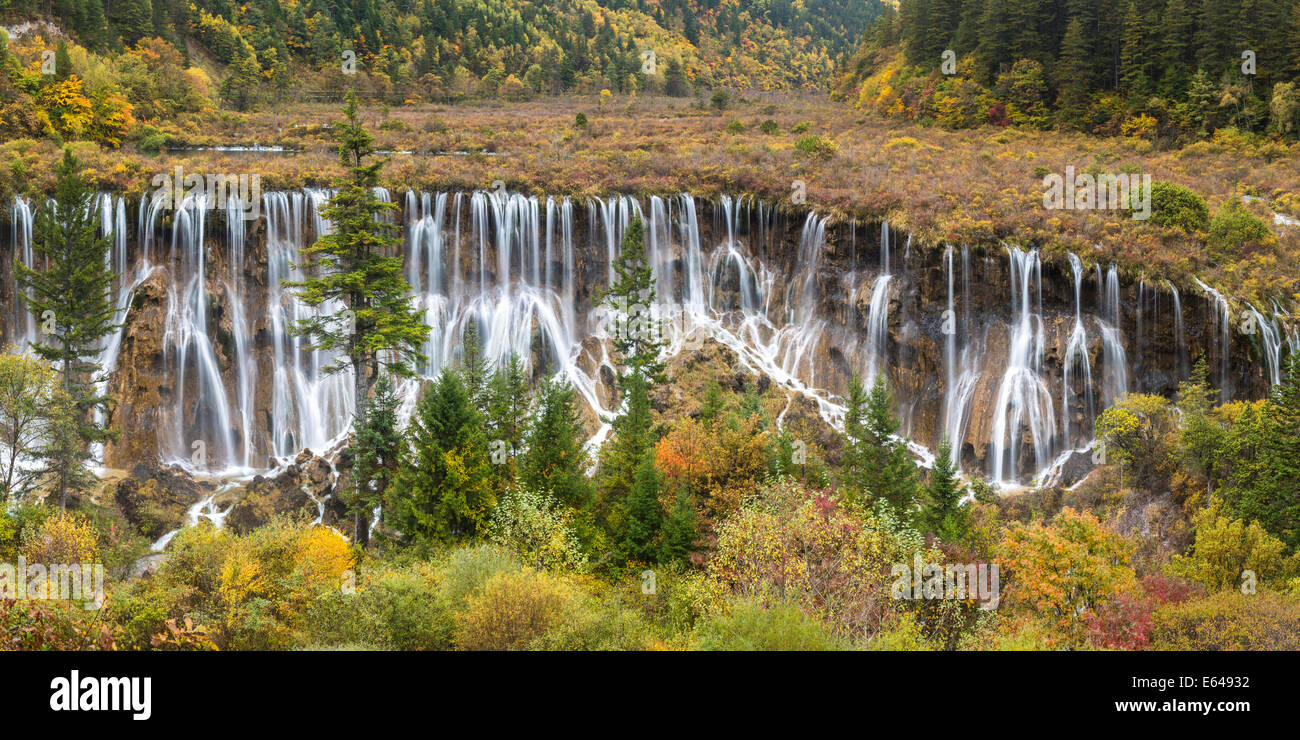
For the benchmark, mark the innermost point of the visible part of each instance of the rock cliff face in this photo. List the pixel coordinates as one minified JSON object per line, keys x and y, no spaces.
{"x":1010,"y":356}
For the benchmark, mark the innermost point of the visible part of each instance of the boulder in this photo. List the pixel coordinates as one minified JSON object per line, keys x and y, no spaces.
{"x":155,"y":500}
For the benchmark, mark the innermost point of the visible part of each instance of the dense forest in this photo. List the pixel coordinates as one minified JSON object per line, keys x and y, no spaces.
{"x":446,"y":48}
{"x":1168,"y":68}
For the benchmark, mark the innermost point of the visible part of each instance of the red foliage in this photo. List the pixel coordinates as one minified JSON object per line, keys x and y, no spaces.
{"x":1122,"y":623}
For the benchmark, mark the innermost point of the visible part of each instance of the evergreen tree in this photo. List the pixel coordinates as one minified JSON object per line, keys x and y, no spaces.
{"x":555,"y":459}
{"x":507,"y":403}
{"x":375,"y":448}
{"x":352,"y":267}
{"x":679,"y":530}
{"x":1073,"y":72}
{"x":71,"y":300}
{"x":642,"y":517}
{"x":443,"y":488}
{"x":636,"y":336}
{"x":1131,"y":53}
{"x":473,"y":367}
{"x":944,"y":514}
{"x":878,"y":466}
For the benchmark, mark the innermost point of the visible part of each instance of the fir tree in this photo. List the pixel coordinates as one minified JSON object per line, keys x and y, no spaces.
{"x":636,"y":336}
{"x":352,"y":266}
{"x":679,"y":530}
{"x":555,"y":459}
{"x":878,"y":466}
{"x":944,"y":514}
{"x":71,"y":300}
{"x":642,"y":517}
{"x":443,"y":488}
{"x":473,"y":367}
{"x":375,"y":447}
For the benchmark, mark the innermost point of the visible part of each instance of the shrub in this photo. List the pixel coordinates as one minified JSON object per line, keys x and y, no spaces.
{"x":537,"y":530}
{"x":735,"y":127}
{"x":469,"y":568}
{"x":808,"y":548}
{"x":1177,"y":206}
{"x":720,"y":100}
{"x":580,"y":121}
{"x":1122,"y":623}
{"x":1234,"y":233}
{"x":597,"y":624}
{"x":816,"y":146}
{"x":801,"y":127}
{"x":769,"y":127}
{"x":512,"y":610}
{"x":750,"y":626}
{"x":1227,"y":547}
{"x":1063,"y":570}
{"x":63,"y":538}
{"x":1229,"y":620}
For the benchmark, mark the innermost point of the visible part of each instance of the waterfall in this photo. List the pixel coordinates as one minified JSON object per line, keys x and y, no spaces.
{"x":1223,"y":329}
{"x":239,"y":379}
{"x":1115,"y":370}
{"x":1076,"y":357}
{"x":1023,"y":399}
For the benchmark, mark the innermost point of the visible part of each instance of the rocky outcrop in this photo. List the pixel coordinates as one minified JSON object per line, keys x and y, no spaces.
{"x":155,"y":500}
{"x":304,"y":490}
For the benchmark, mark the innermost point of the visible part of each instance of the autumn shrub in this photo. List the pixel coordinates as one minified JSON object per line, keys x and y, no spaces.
{"x":1179,"y":207}
{"x":1123,"y":622}
{"x":1062,"y":570}
{"x":819,"y":147}
{"x":735,"y":127}
{"x":769,"y":127}
{"x":53,"y":625}
{"x":1229,"y":620}
{"x":754,"y":626}
{"x":720,"y":462}
{"x":62,"y":538}
{"x":1234,"y":233}
{"x":537,"y":530}
{"x":512,"y":610}
{"x":251,"y":592}
{"x":810,"y":549}
{"x":598,"y":622}
{"x":1225,"y":548}
{"x":468,"y":569}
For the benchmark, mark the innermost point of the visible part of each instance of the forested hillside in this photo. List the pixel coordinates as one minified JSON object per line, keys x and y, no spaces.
{"x":1171,"y":68}
{"x":449,"y":48}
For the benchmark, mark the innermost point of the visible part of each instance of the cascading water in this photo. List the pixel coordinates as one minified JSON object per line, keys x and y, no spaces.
{"x":1024,"y":402}
{"x":241,"y":381}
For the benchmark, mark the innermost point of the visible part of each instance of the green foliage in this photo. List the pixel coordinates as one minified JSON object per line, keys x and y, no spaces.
{"x":943,"y":513}
{"x":751,"y":626}
{"x":642,"y":515}
{"x":443,"y":489}
{"x":555,"y":459}
{"x":819,"y":147}
{"x":1176,"y":206}
{"x":352,"y":267}
{"x":375,"y":446}
{"x":1235,"y":233}
{"x":877,"y":465}
{"x":536,"y":530}
{"x":72,"y":305}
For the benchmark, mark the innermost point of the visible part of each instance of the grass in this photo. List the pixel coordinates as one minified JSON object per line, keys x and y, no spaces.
{"x":975,"y":187}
